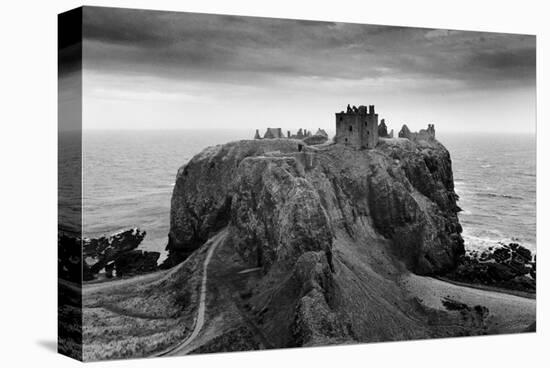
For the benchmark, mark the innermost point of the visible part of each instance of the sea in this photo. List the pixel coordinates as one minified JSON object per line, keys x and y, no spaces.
{"x":495,"y":178}
{"x":129,"y":177}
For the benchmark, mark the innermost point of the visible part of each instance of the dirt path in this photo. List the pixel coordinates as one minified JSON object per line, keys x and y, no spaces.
{"x":523,"y":294}
{"x":199,"y":322}
{"x":142,"y":279}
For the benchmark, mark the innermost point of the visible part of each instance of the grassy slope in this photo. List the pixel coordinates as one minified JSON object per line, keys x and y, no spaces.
{"x":136,"y":317}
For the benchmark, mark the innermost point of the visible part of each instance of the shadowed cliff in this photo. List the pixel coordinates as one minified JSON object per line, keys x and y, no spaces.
{"x":280,"y":203}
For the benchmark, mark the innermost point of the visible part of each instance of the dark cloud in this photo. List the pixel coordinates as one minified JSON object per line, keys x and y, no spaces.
{"x":69,"y":42}
{"x":507,"y":61}
{"x":249,"y":50}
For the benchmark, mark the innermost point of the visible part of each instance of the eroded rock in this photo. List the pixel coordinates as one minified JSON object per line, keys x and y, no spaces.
{"x":117,"y":254}
{"x":510,"y":266}
{"x":281,"y":199}
{"x":284,"y":204}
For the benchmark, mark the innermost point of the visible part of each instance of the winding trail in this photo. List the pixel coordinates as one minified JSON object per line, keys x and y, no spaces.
{"x":199,"y":321}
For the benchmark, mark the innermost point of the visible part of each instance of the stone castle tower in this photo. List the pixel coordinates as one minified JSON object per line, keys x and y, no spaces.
{"x":357,"y":127}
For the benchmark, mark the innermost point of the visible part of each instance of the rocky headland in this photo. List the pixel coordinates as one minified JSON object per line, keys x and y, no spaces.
{"x":335,"y":232}
{"x":316,"y":245}
{"x":279,"y":202}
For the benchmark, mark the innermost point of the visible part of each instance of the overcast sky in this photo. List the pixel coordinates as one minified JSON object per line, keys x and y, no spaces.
{"x":168,"y":70}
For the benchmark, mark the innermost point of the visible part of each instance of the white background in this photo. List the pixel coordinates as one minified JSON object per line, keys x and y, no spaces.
{"x":28,"y":202}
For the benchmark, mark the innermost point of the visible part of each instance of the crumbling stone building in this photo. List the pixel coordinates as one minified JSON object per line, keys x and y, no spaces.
{"x":272,"y":133}
{"x":383,"y":129}
{"x":357,"y":127}
{"x":277,"y":133}
{"x":422,"y":135}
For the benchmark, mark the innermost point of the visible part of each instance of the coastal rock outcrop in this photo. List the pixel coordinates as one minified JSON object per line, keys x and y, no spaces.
{"x":279,"y":201}
{"x":509,"y":266}
{"x":117,"y":253}
{"x":294,"y":211}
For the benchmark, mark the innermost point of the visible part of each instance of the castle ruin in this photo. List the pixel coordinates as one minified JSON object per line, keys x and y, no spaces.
{"x":302,"y":134}
{"x":422,"y":135}
{"x":357,"y":127}
{"x":273,"y":133}
{"x":383,"y":130}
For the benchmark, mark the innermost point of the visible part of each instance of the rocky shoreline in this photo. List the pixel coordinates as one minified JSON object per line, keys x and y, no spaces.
{"x":105,"y":257}
{"x":506,"y":266}
{"x":117,"y":255}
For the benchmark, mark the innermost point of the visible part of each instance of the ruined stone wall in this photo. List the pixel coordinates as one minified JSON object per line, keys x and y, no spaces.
{"x":272,"y":133}
{"x":369,"y":131}
{"x":359,"y":130}
{"x":383,"y":129}
{"x":348,"y":129}
{"x":422,"y":135}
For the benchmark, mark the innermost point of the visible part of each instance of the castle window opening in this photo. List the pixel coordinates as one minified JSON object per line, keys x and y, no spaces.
{"x":350,"y":128}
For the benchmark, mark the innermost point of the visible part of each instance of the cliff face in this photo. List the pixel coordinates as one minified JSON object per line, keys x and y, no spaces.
{"x":280,"y":203}
{"x":412,"y":202}
{"x":333,"y":229}
{"x":202,"y":198}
